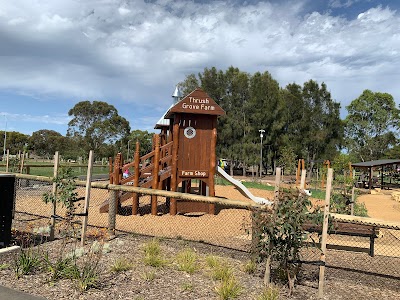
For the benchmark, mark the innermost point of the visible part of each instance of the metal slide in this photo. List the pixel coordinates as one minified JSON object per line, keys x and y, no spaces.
{"x":241,"y":188}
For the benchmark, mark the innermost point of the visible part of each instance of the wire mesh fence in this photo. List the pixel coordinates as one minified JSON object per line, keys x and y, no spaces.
{"x":349,"y":256}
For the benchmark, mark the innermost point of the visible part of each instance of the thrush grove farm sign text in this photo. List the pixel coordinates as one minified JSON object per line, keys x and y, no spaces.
{"x":198,"y":104}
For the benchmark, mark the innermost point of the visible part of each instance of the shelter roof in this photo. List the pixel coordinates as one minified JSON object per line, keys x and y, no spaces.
{"x":376,"y":163}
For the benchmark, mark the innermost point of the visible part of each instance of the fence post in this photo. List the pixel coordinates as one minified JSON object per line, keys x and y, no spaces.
{"x":54,"y":192}
{"x":87,"y":198}
{"x":325,"y":234}
{"x":8,"y":160}
{"x":303,"y":179}
{"x":135,"y":196}
{"x":353,"y":195}
{"x":112,"y":212}
{"x":21,"y":170}
{"x":156,"y":164}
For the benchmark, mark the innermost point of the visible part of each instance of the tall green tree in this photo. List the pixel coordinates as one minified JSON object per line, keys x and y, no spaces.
{"x":145,"y":140}
{"x":370,"y":125}
{"x":312,"y":124}
{"x":265,"y":108}
{"x":96,"y":124}
{"x":46,"y":142}
{"x":324,"y":136}
{"x":294,"y":111}
{"x":15,"y":141}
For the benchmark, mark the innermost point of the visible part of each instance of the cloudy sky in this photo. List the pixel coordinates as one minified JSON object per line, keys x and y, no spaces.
{"x":132,"y":53}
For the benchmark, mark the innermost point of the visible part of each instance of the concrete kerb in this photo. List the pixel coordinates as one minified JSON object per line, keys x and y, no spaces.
{"x":9,"y":249}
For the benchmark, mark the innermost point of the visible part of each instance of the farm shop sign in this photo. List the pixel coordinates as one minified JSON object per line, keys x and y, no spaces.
{"x":198,"y":104}
{"x":193,"y":173}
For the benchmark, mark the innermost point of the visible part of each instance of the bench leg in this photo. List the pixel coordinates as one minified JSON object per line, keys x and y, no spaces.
{"x":372,"y":246}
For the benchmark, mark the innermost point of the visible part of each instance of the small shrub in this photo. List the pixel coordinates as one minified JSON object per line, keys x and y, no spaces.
{"x":340,"y":203}
{"x":149,"y":275}
{"x":4,"y":266}
{"x":222,"y":272}
{"x":187,"y":261}
{"x":250,"y":267}
{"x":152,"y":252}
{"x":280,"y":235}
{"x":60,"y":268}
{"x":269,"y":293}
{"x":26,"y":262}
{"x":85,"y":277}
{"x":228,"y":288}
{"x":187,"y":286}
{"x":212,"y":261}
{"x":121,"y":265}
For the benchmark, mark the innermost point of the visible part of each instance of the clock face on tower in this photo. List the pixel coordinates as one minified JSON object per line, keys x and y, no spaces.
{"x":189,"y":132}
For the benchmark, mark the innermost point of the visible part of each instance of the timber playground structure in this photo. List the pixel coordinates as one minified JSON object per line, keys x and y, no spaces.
{"x":183,"y":151}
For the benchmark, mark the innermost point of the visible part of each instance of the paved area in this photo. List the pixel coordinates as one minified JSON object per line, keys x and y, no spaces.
{"x":9,"y":294}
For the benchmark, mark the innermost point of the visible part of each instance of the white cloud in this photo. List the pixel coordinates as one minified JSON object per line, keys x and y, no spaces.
{"x":47,"y":119}
{"x":138,"y":50}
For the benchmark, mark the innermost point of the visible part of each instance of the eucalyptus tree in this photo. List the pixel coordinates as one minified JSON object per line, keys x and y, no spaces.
{"x":322,"y":134}
{"x":46,"y":142}
{"x":265,"y":109}
{"x":312,"y":125}
{"x":371,"y":125}
{"x":15,"y":141}
{"x":96,"y":124}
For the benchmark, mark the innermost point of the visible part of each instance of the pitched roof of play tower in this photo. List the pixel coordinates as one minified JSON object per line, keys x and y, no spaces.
{"x":197,"y":102}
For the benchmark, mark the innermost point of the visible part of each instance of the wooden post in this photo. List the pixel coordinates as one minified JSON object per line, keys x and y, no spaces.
{"x":156,"y":165}
{"x":8,"y":160}
{"x":112,"y":212}
{"x":303,"y":179}
{"x":353,"y":196}
{"x":277,"y":183}
{"x":174,"y":164}
{"x":213,"y":158}
{"x":325,"y":234}
{"x":54,"y":192}
{"x":21,"y":170}
{"x":110,"y":170}
{"x":135,"y":196}
{"x":87,"y":197}
{"x":116,"y":178}
{"x":370,"y":180}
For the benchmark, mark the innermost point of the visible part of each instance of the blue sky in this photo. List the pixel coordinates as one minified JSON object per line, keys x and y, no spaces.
{"x":131,"y":54}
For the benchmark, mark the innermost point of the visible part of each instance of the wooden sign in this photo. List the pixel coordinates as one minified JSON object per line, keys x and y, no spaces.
{"x":193,"y":173}
{"x":197,"y":102}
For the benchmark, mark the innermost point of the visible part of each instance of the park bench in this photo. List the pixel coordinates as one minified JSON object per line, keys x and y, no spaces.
{"x":349,"y":229}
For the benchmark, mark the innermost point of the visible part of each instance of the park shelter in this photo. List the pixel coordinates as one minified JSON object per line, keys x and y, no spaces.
{"x":375,"y":163}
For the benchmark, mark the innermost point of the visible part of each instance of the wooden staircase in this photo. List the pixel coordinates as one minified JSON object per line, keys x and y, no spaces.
{"x":149,"y":171}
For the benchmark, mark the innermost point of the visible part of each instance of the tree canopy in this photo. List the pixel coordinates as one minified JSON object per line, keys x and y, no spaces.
{"x":304,"y":119}
{"x":47,"y":142}
{"x":300,"y":121}
{"x":96,"y":124}
{"x":371,"y":125}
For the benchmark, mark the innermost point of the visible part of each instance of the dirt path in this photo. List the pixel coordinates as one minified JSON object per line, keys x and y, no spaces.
{"x":381,"y":206}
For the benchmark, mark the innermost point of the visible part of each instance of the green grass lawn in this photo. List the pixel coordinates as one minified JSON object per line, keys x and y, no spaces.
{"x":47,"y":169}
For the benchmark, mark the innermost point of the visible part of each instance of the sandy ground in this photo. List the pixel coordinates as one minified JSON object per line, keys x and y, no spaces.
{"x":229,"y":227}
{"x":381,"y":206}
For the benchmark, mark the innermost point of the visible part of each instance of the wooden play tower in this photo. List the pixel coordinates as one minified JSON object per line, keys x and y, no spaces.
{"x":183,"y":151}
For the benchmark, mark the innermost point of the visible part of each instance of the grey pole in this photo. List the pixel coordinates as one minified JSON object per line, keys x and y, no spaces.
{"x":261,"y":136}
